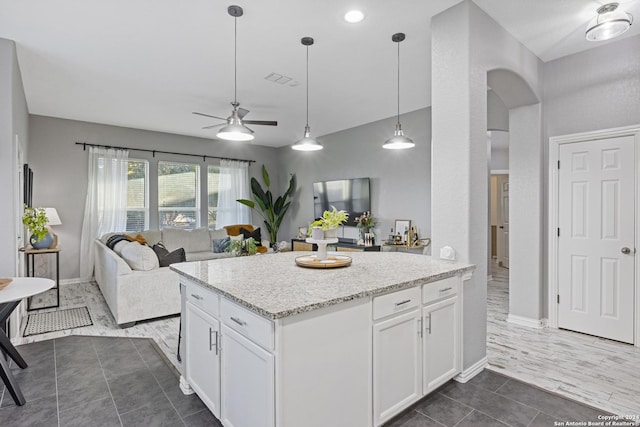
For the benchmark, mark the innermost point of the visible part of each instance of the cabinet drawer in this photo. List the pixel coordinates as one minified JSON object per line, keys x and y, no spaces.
{"x":255,"y":327}
{"x":203,"y":298}
{"x":440,"y":289}
{"x":395,"y":302}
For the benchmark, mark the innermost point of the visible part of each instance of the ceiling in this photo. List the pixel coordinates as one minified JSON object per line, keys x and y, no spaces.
{"x":148,"y":64}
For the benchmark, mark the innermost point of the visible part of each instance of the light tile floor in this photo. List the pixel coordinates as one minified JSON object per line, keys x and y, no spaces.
{"x":596,"y":371}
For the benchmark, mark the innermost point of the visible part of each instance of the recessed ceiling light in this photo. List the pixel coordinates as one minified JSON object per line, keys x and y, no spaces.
{"x":353,"y":16}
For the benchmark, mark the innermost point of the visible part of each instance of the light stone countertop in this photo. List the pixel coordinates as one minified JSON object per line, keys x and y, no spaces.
{"x":273,"y":286}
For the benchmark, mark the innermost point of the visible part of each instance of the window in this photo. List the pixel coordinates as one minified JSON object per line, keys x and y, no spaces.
{"x":178,"y":195}
{"x":213,"y":181}
{"x":137,"y":195}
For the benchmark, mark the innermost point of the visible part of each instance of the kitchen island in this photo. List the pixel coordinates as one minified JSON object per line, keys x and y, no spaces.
{"x":268,"y":343}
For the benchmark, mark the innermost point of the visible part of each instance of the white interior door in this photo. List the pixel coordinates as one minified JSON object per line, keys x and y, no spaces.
{"x":596,"y":244}
{"x":503,"y":217}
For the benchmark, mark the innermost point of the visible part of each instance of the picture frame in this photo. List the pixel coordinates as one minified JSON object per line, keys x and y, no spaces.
{"x":402,"y":225}
{"x":302,"y":233}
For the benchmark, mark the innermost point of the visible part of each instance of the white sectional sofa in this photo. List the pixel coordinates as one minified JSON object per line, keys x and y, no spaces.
{"x":153,"y":291}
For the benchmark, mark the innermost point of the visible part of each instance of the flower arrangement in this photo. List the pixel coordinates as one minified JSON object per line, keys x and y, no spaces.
{"x":329,"y":220}
{"x":36,"y":221}
{"x":242,"y":247}
{"x":366,"y":220}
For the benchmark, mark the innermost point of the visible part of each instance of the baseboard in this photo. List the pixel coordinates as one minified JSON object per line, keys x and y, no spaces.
{"x":185,"y":387}
{"x":73,"y":281}
{"x":526,"y":321}
{"x":472,"y":370}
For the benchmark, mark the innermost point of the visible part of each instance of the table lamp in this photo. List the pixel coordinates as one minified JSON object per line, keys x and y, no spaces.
{"x":53,"y":219}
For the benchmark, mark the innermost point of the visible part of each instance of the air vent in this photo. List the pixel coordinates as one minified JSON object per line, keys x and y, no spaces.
{"x":280,"y":79}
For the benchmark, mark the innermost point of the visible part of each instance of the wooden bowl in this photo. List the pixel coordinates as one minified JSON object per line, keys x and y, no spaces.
{"x":4,"y":283}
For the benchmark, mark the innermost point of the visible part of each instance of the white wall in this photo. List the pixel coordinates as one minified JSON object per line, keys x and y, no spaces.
{"x":400,"y":179}
{"x":60,"y":169}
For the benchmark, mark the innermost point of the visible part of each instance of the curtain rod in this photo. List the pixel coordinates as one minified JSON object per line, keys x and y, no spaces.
{"x":203,"y":156}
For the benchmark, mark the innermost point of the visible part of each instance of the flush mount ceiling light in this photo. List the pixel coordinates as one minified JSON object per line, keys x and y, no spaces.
{"x":610,"y":22}
{"x":398,"y":141}
{"x":234,"y":129}
{"x":354,"y":16}
{"x":307,"y":143}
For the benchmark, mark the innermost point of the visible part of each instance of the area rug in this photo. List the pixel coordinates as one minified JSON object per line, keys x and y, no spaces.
{"x":40,"y":323}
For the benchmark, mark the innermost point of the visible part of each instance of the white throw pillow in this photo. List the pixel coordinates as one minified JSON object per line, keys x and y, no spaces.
{"x":117,"y":248}
{"x":139,"y":257}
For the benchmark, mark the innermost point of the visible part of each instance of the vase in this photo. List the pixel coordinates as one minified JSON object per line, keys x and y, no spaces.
{"x":363,"y":231}
{"x":44,"y":243}
{"x":317,"y":233}
{"x":332,"y":233}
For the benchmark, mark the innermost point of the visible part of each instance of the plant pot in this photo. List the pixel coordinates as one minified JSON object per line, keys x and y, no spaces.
{"x":317,"y":233}
{"x":44,"y":243}
{"x":331,"y":233}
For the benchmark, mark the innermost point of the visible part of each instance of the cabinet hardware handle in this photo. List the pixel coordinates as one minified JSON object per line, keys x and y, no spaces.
{"x":196,"y":296}
{"x":429,"y":324}
{"x":446,"y":289}
{"x":420,"y":327}
{"x":398,"y":304}
{"x":239,"y":321}
{"x":216,"y":342}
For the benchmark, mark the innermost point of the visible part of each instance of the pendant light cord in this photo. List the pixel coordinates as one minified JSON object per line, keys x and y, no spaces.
{"x":235,"y":60}
{"x":398,"y":82}
{"x":307,"y":86}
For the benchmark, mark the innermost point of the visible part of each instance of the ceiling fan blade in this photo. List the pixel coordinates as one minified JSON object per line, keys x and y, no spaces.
{"x":208,"y":115}
{"x":242,"y":112}
{"x":261,"y":122}
{"x":214,"y":126}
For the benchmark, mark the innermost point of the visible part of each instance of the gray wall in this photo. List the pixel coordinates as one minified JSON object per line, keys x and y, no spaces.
{"x":400,"y":179}
{"x":13,"y":123}
{"x":60,"y":169}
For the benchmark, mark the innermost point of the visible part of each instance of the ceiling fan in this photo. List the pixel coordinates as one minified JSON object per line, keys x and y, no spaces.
{"x":234,"y":129}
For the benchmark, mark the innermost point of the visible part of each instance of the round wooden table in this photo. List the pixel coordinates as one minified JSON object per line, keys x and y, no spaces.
{"x":10,"y":297}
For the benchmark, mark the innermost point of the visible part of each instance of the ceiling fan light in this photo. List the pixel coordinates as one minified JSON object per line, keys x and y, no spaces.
{"x":610,"y":22}
{"x":398,"y":141}
{"x":307,"y":143}
{"x":354,"y":16}
{"x":235,"y":132}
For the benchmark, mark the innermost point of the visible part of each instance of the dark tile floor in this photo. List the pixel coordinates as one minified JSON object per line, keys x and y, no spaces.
{"x":99,"y":381}
{"x":491,"y":399}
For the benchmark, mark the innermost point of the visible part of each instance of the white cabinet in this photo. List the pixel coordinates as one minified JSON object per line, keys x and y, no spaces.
{"x":441,"y":347}
{"x":202,"y":356}
{"x":397,"y":364}
{"x":247,"y":382}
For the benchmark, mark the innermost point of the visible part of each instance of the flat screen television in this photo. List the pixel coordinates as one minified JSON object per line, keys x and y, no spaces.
{"x":350,"y":195}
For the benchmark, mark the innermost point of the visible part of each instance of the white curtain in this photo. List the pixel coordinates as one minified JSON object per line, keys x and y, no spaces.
{"x":233,"y":185}
{"x":105,"y":209}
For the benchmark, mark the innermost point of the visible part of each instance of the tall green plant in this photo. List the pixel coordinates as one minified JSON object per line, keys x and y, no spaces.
{"x":272,"y":212}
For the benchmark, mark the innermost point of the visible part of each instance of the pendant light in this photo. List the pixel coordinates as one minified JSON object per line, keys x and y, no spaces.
{"x":307,"y":143}
{"x":610,"y":22}
{"x":398,"y":141}
{"x":234,"y":130}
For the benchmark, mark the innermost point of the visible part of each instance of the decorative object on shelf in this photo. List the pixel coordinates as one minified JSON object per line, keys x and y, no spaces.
{"x":403,"y":231}
{"x":398,"y":141}
{"x":302,"y":232}
{"x":54,"y":219}
{"x":333,"y":261}
{"x":609,"y":22}
{"x":271,"y":212}
{"x":365,"y":224}
{"x":36,"y":221}
{"x":234,"y":129}
{"x":328,"y":223}
{"x":4,"y":282}
{"x":307,"y":143}
{"x":242,"y":247}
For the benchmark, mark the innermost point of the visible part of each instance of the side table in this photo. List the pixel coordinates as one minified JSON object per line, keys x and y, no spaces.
{"x":10,"y":297}
{"x":29,"y":254}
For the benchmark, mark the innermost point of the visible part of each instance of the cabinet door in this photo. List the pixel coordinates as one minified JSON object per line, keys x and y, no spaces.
{"x":203,"y":356}
{"x":247,"y":382}
{"x":397,"y":365}
{"x":441,"y":343}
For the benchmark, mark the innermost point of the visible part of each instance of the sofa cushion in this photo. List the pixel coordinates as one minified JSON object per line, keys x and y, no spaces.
{"x":166,"y":258}
{"x":117,"y":248}
{"x":139,"y":257}
{"x":206,"y":255}
{"x":114,"y":239}
{"x":218,"y":234}
{"x":151,"y":236}
{"x":234,"y":230}
{"x":196,"y":240}
{"x":220,"y":245}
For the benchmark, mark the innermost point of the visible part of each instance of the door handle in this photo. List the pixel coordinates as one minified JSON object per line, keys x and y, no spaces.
{"x":501,"y":226}
{"x":625,"y":250}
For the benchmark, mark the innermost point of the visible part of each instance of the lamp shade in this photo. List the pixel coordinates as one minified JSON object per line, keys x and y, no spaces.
{"x":307,"y":143}
{"x":398,"y":141}
{"x":235,"y":132}
{"x":52,"y":216}
{"x":610,"y":22}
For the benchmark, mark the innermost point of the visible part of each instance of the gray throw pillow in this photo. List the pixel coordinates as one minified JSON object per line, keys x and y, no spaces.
{"x":166,"y":258}
{"x":220,"y":245}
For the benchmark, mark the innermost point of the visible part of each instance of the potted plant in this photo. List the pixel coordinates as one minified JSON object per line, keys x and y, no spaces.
{"x":35,"y":219}
{"x":365,"y":223}
{"x":327,"y":225}
{"x":242,"y":247}
{"x":272,"y":212}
